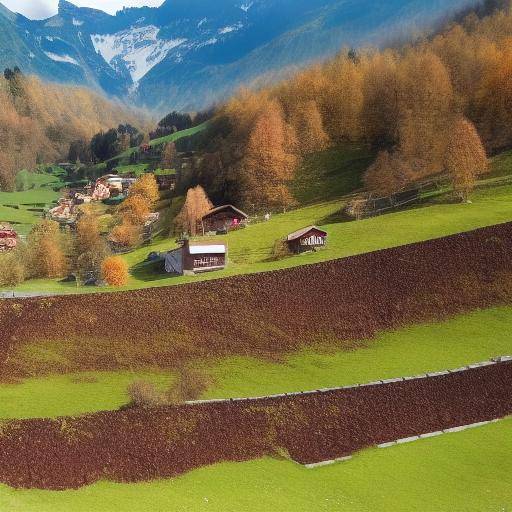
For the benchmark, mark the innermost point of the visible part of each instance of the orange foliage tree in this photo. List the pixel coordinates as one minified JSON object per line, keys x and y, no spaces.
{"x":197,"y":204}
{"x":465,"y":157}
{"x":114,"y":271}
{"x":388,"y":174}
{"x":268,"y":165}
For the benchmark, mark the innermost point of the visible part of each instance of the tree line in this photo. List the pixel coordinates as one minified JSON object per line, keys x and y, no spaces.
{"x":39,"y":121}
{"x":438,"y":106}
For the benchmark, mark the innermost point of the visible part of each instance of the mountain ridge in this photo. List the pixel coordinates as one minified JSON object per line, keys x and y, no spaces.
{"x":189,"y":54}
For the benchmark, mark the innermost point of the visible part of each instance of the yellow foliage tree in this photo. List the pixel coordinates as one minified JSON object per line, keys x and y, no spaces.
{"x":147,"y":188}
{"x":45,"y":253}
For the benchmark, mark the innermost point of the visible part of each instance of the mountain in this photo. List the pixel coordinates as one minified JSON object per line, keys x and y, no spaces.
{"x":187,"y":54}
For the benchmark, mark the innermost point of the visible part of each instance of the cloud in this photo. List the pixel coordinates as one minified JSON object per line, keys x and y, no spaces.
{"x":40,"y":9}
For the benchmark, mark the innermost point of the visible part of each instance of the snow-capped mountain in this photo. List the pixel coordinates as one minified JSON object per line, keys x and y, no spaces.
{"x":189,"y":53}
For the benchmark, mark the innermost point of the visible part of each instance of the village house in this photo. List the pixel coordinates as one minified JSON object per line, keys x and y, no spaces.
{"x":196,"y":257}
{"x":8,"y":238}
{"x":222,"y":219}
{"x":306,"y":239}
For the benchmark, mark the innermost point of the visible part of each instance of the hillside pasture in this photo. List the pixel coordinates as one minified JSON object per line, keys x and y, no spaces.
{"x":468,"y":471}
{"x":469,"y":338}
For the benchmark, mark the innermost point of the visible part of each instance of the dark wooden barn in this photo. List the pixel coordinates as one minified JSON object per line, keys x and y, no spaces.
{"x":306,"y":239}
{"x":195,"y":257}
{"x":223,"y":218}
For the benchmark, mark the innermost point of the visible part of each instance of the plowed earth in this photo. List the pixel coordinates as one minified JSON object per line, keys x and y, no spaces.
{"x":142,"y":444}
{"x":263,"y":314}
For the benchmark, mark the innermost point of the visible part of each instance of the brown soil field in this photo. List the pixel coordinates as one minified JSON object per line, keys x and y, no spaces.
{"x":143,"y":444}
{"x":265,"y":315}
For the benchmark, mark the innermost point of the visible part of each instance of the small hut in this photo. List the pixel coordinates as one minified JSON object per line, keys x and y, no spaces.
{"x":223,"y":218}
{"x":306,"y":239}
{"x":196,"y":257}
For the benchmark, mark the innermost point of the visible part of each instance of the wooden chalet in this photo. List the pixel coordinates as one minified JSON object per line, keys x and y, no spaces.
{"x":196,"y":257}
{"x":307,"y":239}
{"x":223,"y":218}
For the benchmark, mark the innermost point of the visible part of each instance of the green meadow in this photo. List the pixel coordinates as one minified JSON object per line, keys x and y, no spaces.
{"x":465,"y":472}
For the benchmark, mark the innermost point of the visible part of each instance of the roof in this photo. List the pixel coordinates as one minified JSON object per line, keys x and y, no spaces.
{"x":207,"y":249}
{"x":301,"y":232}
{"x":218,"y":209}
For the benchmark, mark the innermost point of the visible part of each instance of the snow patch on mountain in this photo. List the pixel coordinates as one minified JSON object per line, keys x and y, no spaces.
{"x":231,"y":28}
{"x":247,"y":6}
{"x":138,"y":47}
{"x":61,"y":58}
{"x":77,"y":23}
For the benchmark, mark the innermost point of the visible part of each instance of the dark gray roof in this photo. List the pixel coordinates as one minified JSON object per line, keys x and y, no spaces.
{"x":301,"y":232}
{"x":218,"y":209}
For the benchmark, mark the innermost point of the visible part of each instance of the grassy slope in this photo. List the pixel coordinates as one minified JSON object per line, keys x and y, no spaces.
{"x":410,"y":351}
{"x":35,"y":189}
{"x":168,"y":138}
{"x":249,"y":249}
{"x":69,"y":395}
{"x":332,"y":173}
{"x":464,"y":472}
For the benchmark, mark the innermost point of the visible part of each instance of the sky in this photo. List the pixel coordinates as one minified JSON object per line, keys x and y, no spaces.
{"x":40,"y":9}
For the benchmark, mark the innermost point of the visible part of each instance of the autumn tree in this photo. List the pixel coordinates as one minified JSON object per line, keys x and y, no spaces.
{"x":90,"y":247}
{"x":45,"y":253}
{"x":388,"y":174}
{"x":342,"y":100}
{"x":426,"y":109}
{"x":114,"y":271}
{"x":146,"y":187}
{"x":197,"y":204}
{"x":380,"y":110}
{"x":268,"y":165}
{"x":127,"y":233}
{"x":309,"y":128}
{"x":140,"y":201}
{"x":135,"y":208}
{"x":168,"y":155}
{"x":124,"y":142}
{"x":465,"y":157}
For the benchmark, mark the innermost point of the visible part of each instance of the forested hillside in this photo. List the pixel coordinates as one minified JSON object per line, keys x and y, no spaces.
{"x":38,"y":121}
{"x":431,"y":108}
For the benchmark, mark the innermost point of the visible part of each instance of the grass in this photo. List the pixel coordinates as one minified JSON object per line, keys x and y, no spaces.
{"x":464,"y":472}
{"x":72,"y":394}
{"x":168,"y":138}
{"x":332,"y":173}
{"x":418,"y":349}
{"x":250,"y":249}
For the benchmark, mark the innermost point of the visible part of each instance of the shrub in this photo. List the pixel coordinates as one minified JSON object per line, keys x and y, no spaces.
{"x":280,"y":250}
{"x":115,"y":271}
{"x":190,"y":385}
{"x":144,"y":394}
{"x":12,"y":269}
